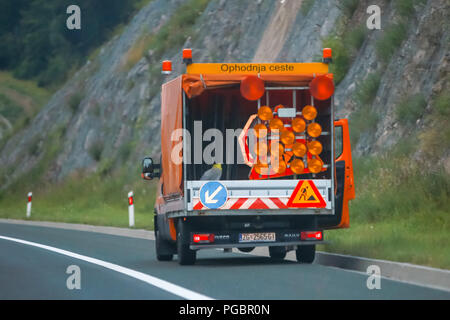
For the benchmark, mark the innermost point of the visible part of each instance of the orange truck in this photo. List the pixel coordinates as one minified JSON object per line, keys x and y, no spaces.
{"x":251,"y":156}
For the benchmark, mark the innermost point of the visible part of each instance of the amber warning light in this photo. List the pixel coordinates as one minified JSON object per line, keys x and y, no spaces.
{"x":322,"y":87}
{"x":187,"y":56}
{"x":252,"y":88}
{"x":327,"y":55}
{"x":166,"y":67}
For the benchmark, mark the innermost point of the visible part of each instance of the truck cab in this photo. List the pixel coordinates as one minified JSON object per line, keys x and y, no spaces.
{"x":251,"y":155}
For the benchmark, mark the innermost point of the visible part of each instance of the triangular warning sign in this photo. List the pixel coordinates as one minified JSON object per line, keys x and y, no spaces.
{"x":306,"y":195}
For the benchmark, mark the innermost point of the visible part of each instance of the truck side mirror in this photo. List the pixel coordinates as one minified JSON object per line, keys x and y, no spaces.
{"x":150,"y":170}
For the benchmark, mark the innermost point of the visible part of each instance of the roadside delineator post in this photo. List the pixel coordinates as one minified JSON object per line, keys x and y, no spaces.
{"x":130,"y":209}
{"x":30,"y":196}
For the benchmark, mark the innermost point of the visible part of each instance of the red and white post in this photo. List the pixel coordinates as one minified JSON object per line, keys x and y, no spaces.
{"x":30,"y":196}
{"x":131,"y":209}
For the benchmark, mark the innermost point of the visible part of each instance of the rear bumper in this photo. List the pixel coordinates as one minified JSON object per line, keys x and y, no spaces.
{"x":254,"y":244}
{"x":231,"y":240}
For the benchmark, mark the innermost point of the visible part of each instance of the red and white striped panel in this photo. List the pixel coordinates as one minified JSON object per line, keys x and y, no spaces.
{"x":247,"y":203}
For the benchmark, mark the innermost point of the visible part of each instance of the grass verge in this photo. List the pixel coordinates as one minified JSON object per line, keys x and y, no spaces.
{"x":94,"y":200}
{"x":400,"y":213}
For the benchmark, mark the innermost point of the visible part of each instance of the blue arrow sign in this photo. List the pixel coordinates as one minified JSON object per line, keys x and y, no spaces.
{"x":213,"y":195}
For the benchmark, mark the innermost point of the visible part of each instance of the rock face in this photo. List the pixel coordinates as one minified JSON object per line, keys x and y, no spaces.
{"x":107,"y":115}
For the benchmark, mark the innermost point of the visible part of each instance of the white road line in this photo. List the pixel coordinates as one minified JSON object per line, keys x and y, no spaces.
{"x":162,"y":284}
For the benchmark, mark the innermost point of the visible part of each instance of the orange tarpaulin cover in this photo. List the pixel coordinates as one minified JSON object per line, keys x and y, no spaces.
{"x":195,"y":84}
{"x":171,"y":120}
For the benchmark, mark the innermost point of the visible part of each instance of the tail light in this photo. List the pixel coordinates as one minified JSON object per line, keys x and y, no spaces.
{"x":311,"y":235}
{"x":203,"y":238}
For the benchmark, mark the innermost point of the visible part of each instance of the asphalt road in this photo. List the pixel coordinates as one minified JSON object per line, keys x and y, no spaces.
{"x":130,"y":271}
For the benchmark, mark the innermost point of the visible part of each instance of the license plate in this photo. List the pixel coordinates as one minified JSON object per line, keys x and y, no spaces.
{"x":255,"y":237}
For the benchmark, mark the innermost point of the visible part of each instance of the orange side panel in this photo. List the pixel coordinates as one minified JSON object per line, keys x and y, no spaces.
{"x":349,"y":188}
{"x":171,"y":119}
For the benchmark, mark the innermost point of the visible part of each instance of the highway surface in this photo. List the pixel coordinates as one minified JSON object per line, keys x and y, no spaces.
{"x":34,"y":260}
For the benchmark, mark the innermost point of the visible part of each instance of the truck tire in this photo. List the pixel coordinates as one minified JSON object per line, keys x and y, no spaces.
{"x":161,"y":255}
{"x":246,"y":250}
{"x":306,"y":254}
{"x":277,"y":253}
{"x":186,"y":256}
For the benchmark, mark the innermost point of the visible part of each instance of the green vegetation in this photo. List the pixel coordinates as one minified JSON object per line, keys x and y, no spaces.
{"x":356,"y":36}
{"x":442,"y":104}
{"x":96,"y":200}
{"x":306,"y":6}
{"x":410,"y":109}
{"x":396,"y":33}
{"x":345,"y":43}
{"x":173,"y":34}
{"x":33,"y":146}
{"x":365,"y":119}
{"x":392,"y":38}
{"x":367,"y":90}
{"x":405,"y":8}
{"x":400,"y":211}
{"x":9,"y":109}
{"x":35,"y":43}
{"x":74,"y":101}
{"x":125,"y":150}
{"x":20,"y":96}
{"x":435,"y":139}
{"x":96,"y":149}
{"x":349,"y":6}
{"x":341,"y":57}
{"x":20,"y":100}
{"x":46,"y":151}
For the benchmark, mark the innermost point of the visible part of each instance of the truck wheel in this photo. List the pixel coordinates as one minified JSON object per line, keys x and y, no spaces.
{"x":277,"y":253}
{"x":186,"y":256}
{"x":160,"y":254}
{"x":306,"y":254}
{"x":246,"y":250}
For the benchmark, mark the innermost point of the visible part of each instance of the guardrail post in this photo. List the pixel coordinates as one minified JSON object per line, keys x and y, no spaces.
{"x":30,"y":196}
{"x":130,"y":209}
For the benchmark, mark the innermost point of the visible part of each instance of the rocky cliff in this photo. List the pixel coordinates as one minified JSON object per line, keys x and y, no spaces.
{"x":107,"y":115}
